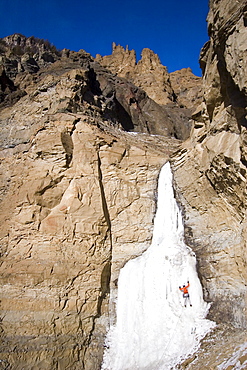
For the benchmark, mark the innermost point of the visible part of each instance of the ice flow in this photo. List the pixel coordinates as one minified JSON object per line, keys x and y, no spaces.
{"x":153,"y":328}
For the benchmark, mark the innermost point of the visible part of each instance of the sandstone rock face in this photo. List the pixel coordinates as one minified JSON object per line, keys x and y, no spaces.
{"x":210,"y":182}
{"x":77,"y":201}
{"x":210,"y":171}
{"x":67,"y":227}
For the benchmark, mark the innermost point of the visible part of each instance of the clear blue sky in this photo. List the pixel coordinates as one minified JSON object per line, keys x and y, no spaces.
{"x":175,"y":30}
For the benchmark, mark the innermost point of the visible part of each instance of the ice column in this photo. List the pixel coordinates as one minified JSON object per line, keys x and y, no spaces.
{"x":153,"y":329}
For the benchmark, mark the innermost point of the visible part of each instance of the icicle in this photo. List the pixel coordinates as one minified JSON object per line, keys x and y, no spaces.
{"x":153,"y":329}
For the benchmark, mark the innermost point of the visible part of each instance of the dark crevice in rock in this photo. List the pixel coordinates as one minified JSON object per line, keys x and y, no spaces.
{"x":106,"y":271}
{"x":103,"y":198}
{"x":123,"y":116}
{"x":94,"y":84}
{"x":67,"y":142}
{"x":231,"y":93}
{"x":50,"y":185}
{"x":6,"y":82}
{"x":68,"y":145}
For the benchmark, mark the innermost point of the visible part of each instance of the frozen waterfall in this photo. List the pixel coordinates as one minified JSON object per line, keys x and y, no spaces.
{"x":153,"y":329}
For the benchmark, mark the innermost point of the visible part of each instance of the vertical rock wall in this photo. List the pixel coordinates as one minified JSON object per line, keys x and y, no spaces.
{"x":65,"y":232}
{"x":210,"y":171}
{"x":77,"y":201}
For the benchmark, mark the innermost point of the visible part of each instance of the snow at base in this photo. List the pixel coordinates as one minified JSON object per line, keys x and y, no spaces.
{"x":153,"y":329}
{"x":237,"y":361}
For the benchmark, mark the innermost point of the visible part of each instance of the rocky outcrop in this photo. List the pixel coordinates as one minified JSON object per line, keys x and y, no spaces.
{"x":20,"y":53}
{"x":181,"y":87}
{"x":179,"y":93}
{"x":187,"y":88}
{"x":148,"y":73}
{"x":118,"y":100}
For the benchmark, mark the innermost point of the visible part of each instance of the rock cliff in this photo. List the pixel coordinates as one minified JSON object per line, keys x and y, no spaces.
{"x":148,"y":73}
{"x":215,"y":162}
{"x":82,"y":143}
{"x":179,"y":92}
{"x":77,"y":201}
{"x":210,"y":177}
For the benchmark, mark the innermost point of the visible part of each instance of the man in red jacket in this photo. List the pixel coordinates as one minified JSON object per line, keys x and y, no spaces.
{"x":186,"y":295}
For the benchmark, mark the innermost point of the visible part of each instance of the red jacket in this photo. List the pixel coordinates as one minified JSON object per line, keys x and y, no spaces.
{"x":184,"y":289}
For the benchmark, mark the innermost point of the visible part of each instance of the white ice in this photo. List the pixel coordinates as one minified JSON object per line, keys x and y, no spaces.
{"x":153,"y":328}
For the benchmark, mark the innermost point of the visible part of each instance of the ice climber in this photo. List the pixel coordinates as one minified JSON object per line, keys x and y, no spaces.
{"x":186,"y":295}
